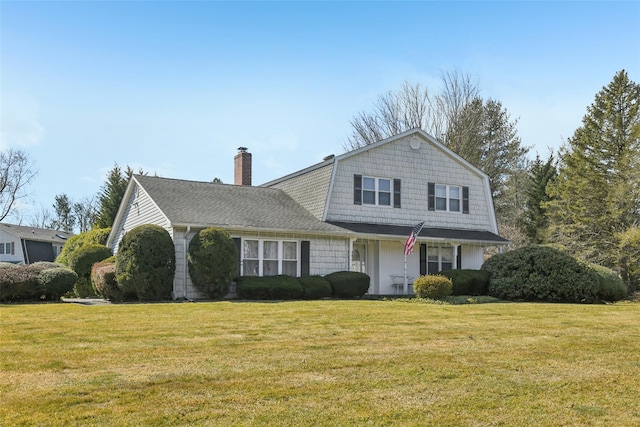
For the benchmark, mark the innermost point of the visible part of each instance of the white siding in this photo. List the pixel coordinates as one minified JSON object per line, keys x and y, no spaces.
{"x":140,"y":210}
{"x":472,"y":257}
{"x":18,"y":256}
{"x":415,"y":168}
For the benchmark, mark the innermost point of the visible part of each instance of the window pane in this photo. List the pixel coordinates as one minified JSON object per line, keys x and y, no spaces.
{"x":384,"y":199}
{"x":369,"y":197}
{"x":384,"y":185}
{"x":447,"y":254}
{"x":454,"y":205}
{"x":432,"y":254}
{"x":290,"y":268}
{"x":441,"y":204}
{"x":270,"y":268}
{"x":432,"y":267}
{"x":369,"y":183}
{"x":270,"y":250}
{"x":446,"y":266}
{"x":250,"y":249}
{"x":290,"y":250}
{"x":441,"y":191}
{"x":250,"y":267}
{"x":1,"y":248}
{"x":454,"y":192}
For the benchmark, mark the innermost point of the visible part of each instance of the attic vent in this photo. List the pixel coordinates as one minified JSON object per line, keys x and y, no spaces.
{"x":329,"y":157}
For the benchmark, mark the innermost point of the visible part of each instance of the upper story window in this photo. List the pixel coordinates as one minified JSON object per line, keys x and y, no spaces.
{"x":376,"y":191}
{"x":448,"y":198}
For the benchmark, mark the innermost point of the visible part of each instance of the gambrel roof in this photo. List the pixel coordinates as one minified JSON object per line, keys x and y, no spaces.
{"x":205,"y":204}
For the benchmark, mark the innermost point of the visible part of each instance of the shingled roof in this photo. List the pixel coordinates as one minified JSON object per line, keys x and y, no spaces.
{"x":205,"y":204}
{"x":36,"y":234}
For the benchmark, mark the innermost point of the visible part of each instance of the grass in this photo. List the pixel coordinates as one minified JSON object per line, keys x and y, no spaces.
{"x":320,"y":363}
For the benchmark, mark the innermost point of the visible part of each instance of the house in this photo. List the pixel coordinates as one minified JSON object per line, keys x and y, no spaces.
{"x":349,"y":212}
{"x":26,"y":245}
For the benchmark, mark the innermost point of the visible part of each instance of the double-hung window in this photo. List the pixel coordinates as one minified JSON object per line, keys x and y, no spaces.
{"x":376,"y":191}
{"x":448,"y":198}
{"x":269,"y":257}
{"x":439,"y":259}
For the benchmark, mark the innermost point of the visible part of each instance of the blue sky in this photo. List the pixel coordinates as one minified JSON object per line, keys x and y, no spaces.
{"x":175,"y":87}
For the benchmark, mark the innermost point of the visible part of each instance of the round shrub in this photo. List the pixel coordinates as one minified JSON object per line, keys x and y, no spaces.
{"x":81,"y":260}
{"x":468,"y":282}
{"x":611,"y":286}
{"x":212,"y":259}
{"x":315,"y":287}
{"x":96,"y":236}
{"x":146,"y":263}
{"x":56,"y":282}
{"x":269,"y":287}
{"x":540,"y":273}
{"x":103,"y":280}
{"x":19,"y":284}
{"x":432,"y":286}
{"x":348,"y":284}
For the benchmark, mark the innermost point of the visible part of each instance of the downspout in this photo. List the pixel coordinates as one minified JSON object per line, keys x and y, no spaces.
{"x":186,"y":262}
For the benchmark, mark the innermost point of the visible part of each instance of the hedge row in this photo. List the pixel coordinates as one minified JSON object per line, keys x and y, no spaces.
{"x":41,"y":281}
{"x":342,"y":284}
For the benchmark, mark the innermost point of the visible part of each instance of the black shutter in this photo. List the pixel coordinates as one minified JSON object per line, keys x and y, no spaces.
{"x":459,"y":259}
{"x":432,"y":195}
{"x":423,"y":259}
{"x":357,"y":189}
{"x":238,"y":242}
{"x":396,"y":193}
{"x":305,"y":255}
{"x":465,"y":200}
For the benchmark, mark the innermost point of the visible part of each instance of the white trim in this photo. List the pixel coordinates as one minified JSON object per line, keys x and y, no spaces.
{"x":333,"y":179}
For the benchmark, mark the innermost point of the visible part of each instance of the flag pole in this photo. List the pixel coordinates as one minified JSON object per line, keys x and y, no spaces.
{"x":405,"y":288}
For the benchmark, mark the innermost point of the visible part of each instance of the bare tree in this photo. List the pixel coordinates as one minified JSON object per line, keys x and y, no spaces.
{"x":16,"y":173}
{"x":85,"y":213}
{"x":41,"y":219}
{"x":412,"y":107}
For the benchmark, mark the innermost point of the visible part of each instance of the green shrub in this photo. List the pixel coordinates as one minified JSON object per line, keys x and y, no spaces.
{"x":348,"y":284}
{"x":19,"y":284}
{"x":96,"y":236}
{"x":468,"y":282}
{"x":56,"y":282}
{"x":146,"y":263}
{"x":212,"y":259}
{"x":630,"y":258}
{"x":269,"y":287}
{"x":611,"y":286}
{"x":539,"y":273}
{"x":103,"y":280}
{"x":432,"y":286}
{"x":81,"y":260}
{"x":315,"y":287}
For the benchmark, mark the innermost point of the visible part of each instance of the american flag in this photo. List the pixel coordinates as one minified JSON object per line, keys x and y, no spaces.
{"x":411,"y":240}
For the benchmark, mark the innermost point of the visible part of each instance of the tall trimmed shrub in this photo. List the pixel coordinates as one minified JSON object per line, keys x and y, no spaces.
{"x":611,"y":287}
{"x":540,"y":273}
{"x":81,"y":260}
{"x":212,"y":259}
{"x":103,"y":279}
{"x":96,"y":236}
{"x":146,"y":263}
{"x":348,"y":284}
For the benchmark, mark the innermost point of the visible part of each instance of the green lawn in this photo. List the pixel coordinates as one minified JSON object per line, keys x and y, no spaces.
{"x":372,"y":363}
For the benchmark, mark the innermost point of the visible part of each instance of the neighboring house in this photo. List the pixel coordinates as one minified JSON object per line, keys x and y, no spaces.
{"x":349,"y":212}
{"x":26,"y":245}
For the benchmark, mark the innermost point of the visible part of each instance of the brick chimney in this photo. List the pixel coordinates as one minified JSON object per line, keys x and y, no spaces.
{"x":242,"y":167}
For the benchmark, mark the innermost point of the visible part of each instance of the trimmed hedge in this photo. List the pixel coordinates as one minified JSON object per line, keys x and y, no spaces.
{"x":315,"y":287}
{"x":96,"y":236}
{"x":36,"y":282}
{"x":468,"y":282}
{"x":432,"y":286}
{"x":348,"y":284}
{"x":212,"y":259}
{"x":146,"y":263}
{"x":611,"y":286}
{"x":103,"y":280}
{"x":269,"y":287}
{"x":81,"y":260}
{"x":540,"y":273}
{"x":56,"y":282}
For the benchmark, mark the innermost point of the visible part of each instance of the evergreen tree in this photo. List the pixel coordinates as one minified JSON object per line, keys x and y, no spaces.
{"x":111,"y":195}
{"x":597,"y":192}
{"x":64,"y":217}
{"x":534,"y":218}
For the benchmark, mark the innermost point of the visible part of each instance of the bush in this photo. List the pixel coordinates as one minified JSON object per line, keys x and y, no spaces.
{"x":468,"y":282}
{"x":19,"y":284}
{"x":97,"y":236}
{"x":348,"y":284}
{"x":146,"y":263}
{"x":315,"y":287}
{"x":630,"y":258}
{"x":269,"y":287}
{"x":432,"y":286}
{"x":539,"y":273}
{"x":103,"y":280}
{"x":611,"y":286}
{"x":81,"y":260}
{"x":56,"y":282}
{"x":212,"y":259}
